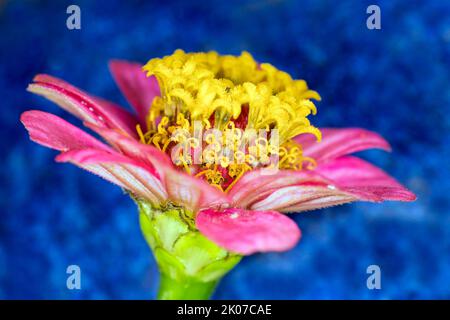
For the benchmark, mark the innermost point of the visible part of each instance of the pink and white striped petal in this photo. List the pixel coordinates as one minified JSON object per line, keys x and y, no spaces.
{"x":346,"y":179}
{"x":364,"y":180}
{"x":53,"y":132}
{"x":340,"y":142}
{"x":131,"y":147}
{"x":88,"y":108}
{"x":246,"y":232}
{"x":137,"y":88}
{"x":255,"y":185}
{"x":127,"y":173}
{"x":303,"y":198}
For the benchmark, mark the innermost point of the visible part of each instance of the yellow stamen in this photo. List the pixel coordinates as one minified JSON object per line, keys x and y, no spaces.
{"x":312,"y":163}
{"x":199,"y":84}
{"x":139,"y":131}
{"x":185,"y":165}
{"x":166,"y":145}
{"x":241,"y":171}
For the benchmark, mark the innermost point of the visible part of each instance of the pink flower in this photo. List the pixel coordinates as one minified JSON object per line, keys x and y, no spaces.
{"x":250,"y":216}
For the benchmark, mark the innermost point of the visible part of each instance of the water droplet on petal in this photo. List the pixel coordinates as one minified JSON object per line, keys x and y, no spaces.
{"x":234,"y":215}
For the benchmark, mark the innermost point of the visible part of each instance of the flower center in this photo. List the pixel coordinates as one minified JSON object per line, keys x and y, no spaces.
{"x":231,"y":100}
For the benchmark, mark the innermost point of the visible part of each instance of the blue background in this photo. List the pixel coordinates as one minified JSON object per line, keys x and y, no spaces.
{"x":394,"y":81}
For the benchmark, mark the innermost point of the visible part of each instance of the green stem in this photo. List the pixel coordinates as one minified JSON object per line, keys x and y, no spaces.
{"x":188,"y":289}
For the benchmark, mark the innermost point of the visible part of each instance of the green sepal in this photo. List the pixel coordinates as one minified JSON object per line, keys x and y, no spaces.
{"x":185,"y":257}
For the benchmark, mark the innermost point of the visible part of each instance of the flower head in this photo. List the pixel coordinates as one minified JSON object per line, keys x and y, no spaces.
{"x":225,"y":190}
{"x":235,"y":96}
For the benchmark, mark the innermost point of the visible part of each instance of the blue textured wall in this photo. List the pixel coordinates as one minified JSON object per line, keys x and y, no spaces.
{"x":394,"y":81}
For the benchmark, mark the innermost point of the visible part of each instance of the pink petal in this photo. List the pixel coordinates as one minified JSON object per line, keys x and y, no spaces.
{"x":120,"y":170}
{"x":246,"y":232}
{"x":305,"y":190}
{"x":336,"y":182}
{"x":84,"y":106}
{"x":364,"y":180}
{"x":286,"y":191}
{"x":299,"y":198}
{"x":340,"y":142}
{"x":132,"y":147}
{"x":255,"y":185}
{"x":53,"y":132}
{"x":182,"y":189}
{"x":137,"y":88}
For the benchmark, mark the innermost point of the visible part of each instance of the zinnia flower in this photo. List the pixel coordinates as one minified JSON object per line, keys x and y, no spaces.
{"x":201,"y":215}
